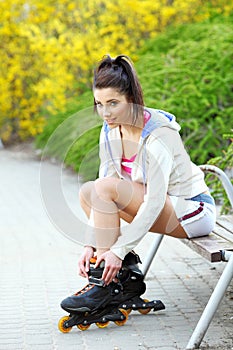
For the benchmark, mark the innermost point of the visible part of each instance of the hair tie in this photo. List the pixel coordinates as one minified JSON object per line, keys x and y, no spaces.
{"x":115,"y":67}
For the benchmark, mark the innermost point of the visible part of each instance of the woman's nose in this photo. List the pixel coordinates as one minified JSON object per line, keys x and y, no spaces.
{"x":106,"y":111}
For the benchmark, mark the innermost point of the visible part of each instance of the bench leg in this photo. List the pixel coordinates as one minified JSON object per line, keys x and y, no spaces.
{"x":151,"y":253}
{"x":212,"y":306}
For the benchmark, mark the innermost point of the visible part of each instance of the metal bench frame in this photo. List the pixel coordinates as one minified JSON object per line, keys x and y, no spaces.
{"x":225,"y":278}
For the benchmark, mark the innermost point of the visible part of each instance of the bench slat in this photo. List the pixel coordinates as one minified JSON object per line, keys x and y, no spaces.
{"x":220,"y":231}
{"x":226,"y":221}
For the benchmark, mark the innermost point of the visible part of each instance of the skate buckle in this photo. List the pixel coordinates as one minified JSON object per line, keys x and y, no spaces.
{"x":96,"y":281}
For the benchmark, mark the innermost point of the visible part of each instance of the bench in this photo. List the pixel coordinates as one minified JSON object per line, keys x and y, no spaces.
{"x":216,"y":247}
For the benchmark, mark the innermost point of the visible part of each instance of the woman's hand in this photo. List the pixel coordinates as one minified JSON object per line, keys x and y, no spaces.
{"x":112,"y":266}
{"x":84,"y":261}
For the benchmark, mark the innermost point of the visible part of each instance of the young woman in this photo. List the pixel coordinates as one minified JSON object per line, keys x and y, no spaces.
{"x":146,"y":177}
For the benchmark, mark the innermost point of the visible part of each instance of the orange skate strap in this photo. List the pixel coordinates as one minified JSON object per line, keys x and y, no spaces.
{"x":93,"y":260}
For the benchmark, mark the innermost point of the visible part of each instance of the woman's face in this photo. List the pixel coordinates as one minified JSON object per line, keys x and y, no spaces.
{"x":113,"y":107}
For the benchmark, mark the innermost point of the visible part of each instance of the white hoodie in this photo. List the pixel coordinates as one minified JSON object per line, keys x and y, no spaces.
{"x":162,"y":165}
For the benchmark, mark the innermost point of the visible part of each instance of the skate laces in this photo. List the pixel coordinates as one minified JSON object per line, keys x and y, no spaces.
{"x":84,"y":289}
{"x":89,"y":285}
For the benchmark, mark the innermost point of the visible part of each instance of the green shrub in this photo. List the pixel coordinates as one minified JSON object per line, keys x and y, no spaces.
{"x":224,"y":162}
{"x":73,"y":140}
{"x":55,"y":120}
{"x":188,"y":71}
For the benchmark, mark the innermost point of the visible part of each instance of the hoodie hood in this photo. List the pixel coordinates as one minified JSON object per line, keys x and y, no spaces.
{"x":159,"y":119}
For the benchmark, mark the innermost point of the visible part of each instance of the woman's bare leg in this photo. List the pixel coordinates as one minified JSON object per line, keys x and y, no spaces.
{"x":109,"y":199}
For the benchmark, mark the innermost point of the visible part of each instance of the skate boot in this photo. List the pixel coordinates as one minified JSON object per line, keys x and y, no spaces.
{"x":95,"y":303}
{"x":94,"y":295}
{"x":99,"y":304}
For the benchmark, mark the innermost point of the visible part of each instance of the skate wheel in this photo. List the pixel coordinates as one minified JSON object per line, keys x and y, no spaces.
{"x":128,"y":311}
{"x":61,"y":325}
{"x":83,"y":327}
{"x":121,"y":323}
{"x":102,"y":324}
{"x":145,"y":311}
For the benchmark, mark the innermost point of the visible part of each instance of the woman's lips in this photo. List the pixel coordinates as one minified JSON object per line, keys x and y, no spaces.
{"x":110,"y":121}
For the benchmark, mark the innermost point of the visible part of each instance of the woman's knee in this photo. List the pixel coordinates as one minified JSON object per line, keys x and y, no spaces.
{"x":118,"y":190}
{"x":105,"y":188}
{"x":102,"y":188}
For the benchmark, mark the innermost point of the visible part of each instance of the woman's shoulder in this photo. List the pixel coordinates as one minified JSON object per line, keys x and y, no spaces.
{"x":159,"y":119}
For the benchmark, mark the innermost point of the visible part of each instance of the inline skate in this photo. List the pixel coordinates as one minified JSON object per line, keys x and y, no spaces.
{"x":100,"y":304}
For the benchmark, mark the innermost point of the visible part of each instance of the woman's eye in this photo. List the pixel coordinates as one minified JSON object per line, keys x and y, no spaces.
{"x":108,"y":105}
{"x":113,"y":103}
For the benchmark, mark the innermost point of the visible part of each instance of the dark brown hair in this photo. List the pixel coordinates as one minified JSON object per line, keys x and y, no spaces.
{"x":118,"y":73}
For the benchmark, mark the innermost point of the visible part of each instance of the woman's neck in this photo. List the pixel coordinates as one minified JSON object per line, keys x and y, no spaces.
{"x":130,"y":136}
{"x":130,"y":131}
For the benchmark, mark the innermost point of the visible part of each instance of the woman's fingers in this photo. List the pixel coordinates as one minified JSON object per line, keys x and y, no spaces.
{"x":112,"y":266}
{"x":84,"y":261}
{"x":109,"y":274}
{"x":81,"y":268}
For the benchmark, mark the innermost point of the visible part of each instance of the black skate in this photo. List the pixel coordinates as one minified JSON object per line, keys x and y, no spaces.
{"x":94,"y":296}
{"x":132,"y":278}
{"x":93,"y":304}
{"x":99,"y":304}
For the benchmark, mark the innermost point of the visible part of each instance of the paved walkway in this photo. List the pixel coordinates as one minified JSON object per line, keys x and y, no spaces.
{"x":38,"y":269}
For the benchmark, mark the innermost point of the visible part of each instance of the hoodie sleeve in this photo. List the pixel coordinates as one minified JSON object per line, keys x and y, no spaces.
{"x":159,"y":161}
{"x":110,"y":152}
{"x":106,"y":168}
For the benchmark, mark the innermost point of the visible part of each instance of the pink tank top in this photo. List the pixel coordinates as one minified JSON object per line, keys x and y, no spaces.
{"x":127,"y":163}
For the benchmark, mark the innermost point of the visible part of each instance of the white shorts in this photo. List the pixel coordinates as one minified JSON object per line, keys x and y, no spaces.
{"x":201,"y":217}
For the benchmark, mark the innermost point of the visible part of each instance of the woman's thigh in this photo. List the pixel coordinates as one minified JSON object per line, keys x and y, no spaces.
{"x":166,"y":223}
{"x":127,"y":195}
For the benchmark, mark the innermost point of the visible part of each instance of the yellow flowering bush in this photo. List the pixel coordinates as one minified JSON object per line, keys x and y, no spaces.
{"x":48,"y":49}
